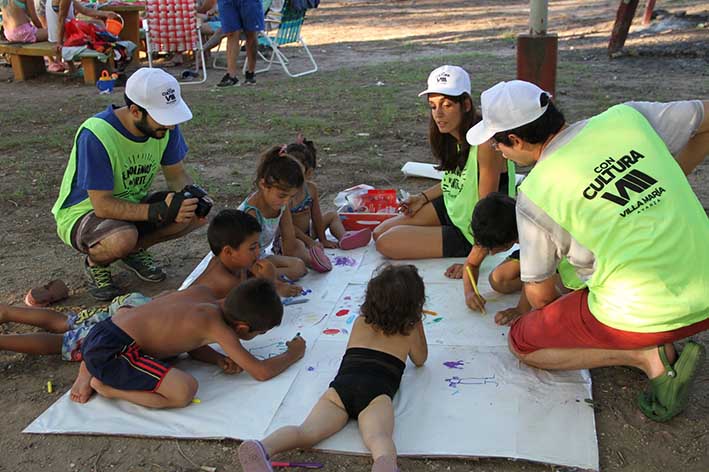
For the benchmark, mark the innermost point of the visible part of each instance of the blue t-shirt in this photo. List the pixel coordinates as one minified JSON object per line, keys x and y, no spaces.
{"x":93,"y":166}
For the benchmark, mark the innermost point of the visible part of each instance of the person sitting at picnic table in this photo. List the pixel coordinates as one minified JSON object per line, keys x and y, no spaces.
{"x":607,"y":194}
{"x":436,"y":222}
{"x":62,"y":11}
{"x":20,"y":22}
{"x":104,"y":210}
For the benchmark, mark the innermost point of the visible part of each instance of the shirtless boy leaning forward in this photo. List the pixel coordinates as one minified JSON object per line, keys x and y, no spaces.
{"x":124,"y":355}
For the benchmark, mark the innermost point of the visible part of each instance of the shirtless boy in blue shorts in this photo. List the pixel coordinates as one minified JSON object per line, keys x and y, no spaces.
{"x":123,"y":356}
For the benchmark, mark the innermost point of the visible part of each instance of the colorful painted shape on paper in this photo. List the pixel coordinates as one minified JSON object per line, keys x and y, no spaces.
{"x":344,"y":261}
{"x":454,"y":364}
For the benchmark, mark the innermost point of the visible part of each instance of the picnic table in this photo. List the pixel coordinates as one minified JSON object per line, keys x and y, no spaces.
{"x":131,"y":21}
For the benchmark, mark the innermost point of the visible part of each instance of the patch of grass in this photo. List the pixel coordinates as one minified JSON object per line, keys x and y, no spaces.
{"x":231,"y":128}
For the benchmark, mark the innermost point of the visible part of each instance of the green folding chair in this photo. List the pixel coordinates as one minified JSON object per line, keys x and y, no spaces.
{"x":286,"y":34}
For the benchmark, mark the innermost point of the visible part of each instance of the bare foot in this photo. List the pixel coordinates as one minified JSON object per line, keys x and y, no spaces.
{"x":81,"y":391}
{"x":288,"y":290}
{"x":101,"y":388}
{"x":455,"y":271}
{"x":654,"y":366}
{"x":507,"y":316}
{"x":671,"y":353}
{"x":3,"y":312}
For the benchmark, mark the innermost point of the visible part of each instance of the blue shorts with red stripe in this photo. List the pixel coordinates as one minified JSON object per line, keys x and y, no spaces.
{"x":115,"y":359}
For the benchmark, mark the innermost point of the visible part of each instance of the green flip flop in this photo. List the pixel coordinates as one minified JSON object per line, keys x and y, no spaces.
{"x":669,"y":393}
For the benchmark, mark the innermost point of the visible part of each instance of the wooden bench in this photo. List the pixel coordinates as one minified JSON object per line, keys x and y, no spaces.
{"x":27,"y":60}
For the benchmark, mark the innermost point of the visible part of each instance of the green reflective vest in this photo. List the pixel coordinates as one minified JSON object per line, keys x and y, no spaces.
{"x":134,"y":167}
{"x":617,"y":190}
{"x":460,"y":192}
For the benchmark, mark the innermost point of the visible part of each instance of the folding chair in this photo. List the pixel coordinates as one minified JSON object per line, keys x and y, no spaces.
{"x":171,"y":26}
{"x":288,"y":32}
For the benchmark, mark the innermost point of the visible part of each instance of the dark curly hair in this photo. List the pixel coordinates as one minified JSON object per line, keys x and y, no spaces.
{"x":394,"y":299}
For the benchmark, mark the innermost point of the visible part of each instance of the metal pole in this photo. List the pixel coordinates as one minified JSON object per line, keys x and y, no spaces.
{"x":538,"y":17}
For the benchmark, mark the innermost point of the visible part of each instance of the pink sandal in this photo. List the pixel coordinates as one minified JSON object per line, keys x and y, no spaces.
{"x":56,"y":67}
{"x":319,"y":260}
{"x":355,"y":239}
{"x":253,"y":457}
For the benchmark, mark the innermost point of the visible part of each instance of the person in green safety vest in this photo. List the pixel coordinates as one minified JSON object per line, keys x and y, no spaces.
{"x":436,"y":222}
{"x":607,"y":194}
{"x":104,"y":209}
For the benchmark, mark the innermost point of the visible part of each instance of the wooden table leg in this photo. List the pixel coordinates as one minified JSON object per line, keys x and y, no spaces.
{"x":91,"y":70}
{"x":26,"y":67}
{"x":131,"y":29}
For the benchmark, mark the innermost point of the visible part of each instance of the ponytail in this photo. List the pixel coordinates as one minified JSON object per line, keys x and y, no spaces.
{"x":278,"y":168}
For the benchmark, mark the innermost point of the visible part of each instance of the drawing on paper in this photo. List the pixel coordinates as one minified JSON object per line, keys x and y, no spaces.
{"x":454,"y":364}
{"x":455,"y":382}
{"x":269,"y":350}
{"x":344,"y":261}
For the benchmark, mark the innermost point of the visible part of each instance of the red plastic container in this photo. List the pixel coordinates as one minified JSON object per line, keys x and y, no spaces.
{"x":355,"y":221}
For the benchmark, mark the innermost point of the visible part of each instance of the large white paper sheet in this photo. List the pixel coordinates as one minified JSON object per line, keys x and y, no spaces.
{"x":466,"y":401}
{"x":472,"y":398}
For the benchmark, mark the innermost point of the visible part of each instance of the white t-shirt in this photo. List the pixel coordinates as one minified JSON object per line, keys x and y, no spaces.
{"x":53,"y":21}
{"x":543,"y":242}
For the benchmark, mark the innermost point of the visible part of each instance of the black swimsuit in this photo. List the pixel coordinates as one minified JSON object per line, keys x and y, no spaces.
{"x":365,"y":374}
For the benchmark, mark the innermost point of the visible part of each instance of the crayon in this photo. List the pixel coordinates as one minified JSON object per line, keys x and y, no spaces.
{"x":305,"y":465}
{"x":475,"y":286}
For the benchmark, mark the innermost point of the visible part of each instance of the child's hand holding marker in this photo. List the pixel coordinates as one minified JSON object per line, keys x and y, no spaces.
{"x":473,"y":299}
{"x":296,"y":346}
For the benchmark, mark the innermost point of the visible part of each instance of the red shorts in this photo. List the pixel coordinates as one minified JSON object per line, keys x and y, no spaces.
{"x":567,"y":323}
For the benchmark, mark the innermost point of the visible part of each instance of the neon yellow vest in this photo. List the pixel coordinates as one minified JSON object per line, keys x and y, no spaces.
{"x":568,"y":275}
{"x":460,"y":192}
{"x":617,"y":190}
{"x":134,"y":167}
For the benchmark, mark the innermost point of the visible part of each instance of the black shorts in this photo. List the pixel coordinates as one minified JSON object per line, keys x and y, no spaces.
{"x":365,"y":374}
{"x":116,"y":360}
{"x":455,"y":244}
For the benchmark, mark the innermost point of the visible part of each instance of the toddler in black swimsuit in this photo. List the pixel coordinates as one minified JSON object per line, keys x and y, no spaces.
{"x":389,"y":331}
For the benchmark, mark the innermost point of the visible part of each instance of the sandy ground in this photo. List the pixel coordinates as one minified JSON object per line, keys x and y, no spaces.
{"x":669,"y":60}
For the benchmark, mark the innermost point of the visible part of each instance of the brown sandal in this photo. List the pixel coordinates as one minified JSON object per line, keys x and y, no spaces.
{"x":54,"y":291}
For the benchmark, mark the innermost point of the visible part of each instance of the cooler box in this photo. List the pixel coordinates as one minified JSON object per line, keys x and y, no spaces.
{"x":355,"y":221}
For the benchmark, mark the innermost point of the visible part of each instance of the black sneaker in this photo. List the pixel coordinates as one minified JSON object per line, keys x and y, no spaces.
{"x":142,"y":264}
{"x":228,"y":81}
{"x":249,"y":78}
{"x":101,"y":285}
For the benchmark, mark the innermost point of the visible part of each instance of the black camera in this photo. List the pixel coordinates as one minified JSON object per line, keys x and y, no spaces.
{"x":204,"y":203}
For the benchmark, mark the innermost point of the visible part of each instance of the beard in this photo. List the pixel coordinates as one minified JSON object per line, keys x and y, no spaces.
{"x":144,"y":127}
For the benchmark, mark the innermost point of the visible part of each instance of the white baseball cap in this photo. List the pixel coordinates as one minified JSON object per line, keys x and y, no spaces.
{"x":506,"y":106}
{"x":448,"y":80}
{"x":159,"y":93}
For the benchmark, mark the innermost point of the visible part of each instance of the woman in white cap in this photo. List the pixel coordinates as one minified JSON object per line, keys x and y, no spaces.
{"x":436,"y":222}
